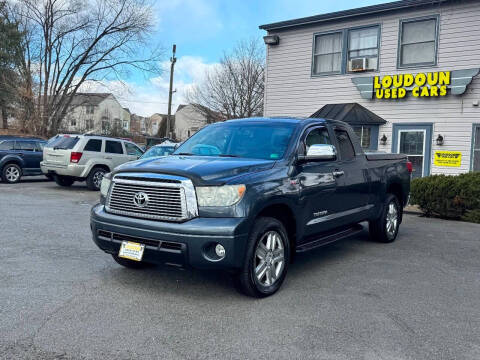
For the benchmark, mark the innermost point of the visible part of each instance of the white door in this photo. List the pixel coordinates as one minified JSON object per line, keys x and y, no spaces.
{"x":412,"y":143}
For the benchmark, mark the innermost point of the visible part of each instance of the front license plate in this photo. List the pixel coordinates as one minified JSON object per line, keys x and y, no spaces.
{"x":131,"y":250}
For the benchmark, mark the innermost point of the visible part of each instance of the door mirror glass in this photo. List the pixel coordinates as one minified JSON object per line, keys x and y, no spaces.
{"x":320,"y":152}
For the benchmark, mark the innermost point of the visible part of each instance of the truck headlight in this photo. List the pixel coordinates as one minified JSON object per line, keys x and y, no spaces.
{"x":106,"y":181}
{"x":226,"y":195}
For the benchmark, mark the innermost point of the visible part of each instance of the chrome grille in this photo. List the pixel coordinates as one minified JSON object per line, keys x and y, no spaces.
{"x":166,"y":197}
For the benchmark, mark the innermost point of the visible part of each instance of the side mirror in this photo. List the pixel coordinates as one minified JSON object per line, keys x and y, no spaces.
{"x":319,"y":152}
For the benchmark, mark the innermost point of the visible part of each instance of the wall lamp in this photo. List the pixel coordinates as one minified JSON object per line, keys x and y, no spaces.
{"x":271,"y":40}
{"x":383,"y":140}
{"x":440,"y":140}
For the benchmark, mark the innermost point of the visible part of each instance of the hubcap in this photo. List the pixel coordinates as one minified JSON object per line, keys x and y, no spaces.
{"x":392,"y":220}
{"x":97,"y":178}
{"x":269,"y":258}
{"x":12,"y":174}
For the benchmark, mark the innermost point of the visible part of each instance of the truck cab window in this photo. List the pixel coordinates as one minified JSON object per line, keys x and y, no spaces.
{"x":317,"y":136}
{"x":345,"y":147}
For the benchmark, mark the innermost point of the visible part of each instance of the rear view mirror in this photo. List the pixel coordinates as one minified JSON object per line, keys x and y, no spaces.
{"x":319,"y":152}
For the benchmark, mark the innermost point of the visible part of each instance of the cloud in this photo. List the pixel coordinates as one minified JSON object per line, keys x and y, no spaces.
{"x":152,"y":96}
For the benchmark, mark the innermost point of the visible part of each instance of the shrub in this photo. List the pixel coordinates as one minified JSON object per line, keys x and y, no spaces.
{"x":448,"y":197}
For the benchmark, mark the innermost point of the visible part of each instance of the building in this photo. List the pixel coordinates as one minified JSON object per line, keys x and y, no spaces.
{"x":127,"y":116}
{"x":404,"y":74}
{"x":96,"y":113}
{"x":191,"y":118}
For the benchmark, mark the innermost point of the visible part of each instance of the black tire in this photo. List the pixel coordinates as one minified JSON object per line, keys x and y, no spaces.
{"x":92,"y":179}
{"x":246,"y":280}
{"x":380,"y":229}
{"x":64,"y":181}
{"x":131,"y":264}
{"x":11,"y":173}
{"x":50,"y":177}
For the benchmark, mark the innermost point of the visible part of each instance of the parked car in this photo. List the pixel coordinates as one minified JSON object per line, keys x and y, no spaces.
{"x":20,"y":157}
{"x":163,"y":149}
{"x":245,"y":195}
{"x":71,"y":158}
{"x":153,"y":140}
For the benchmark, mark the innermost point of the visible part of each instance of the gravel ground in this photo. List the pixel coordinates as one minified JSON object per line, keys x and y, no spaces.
{"x":62,"y":298}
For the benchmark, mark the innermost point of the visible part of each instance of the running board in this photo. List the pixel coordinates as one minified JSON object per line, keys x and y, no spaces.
{"x":354,"y":230}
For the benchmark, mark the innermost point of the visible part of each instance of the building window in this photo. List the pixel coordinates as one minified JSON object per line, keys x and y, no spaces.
{"x":418,"y":42}
{"x":364,"y":134}
{"x":327,"y":53}
{"x":363,"y":48}
{"x":90,"y":109}
{"x":125,"y":124}
{"x":105,"y":126}
{"x":476,"y":148}
{"x":73,"y":122}
{"x":89,"y":124}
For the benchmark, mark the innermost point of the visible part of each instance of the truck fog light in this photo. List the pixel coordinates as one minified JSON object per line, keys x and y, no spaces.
{"x":220,"y":250}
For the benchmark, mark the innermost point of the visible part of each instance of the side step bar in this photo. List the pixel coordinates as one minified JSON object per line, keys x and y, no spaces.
{"x":356,"y":229}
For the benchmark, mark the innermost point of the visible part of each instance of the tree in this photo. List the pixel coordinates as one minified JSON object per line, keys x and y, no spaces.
{"x":75,"y":41}
{"x":235,"y":88}
{"x":10,"y":61}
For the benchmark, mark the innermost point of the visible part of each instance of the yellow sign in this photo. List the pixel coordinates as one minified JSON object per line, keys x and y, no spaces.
{"x":431,"y":84}
{"x":448,"y":158}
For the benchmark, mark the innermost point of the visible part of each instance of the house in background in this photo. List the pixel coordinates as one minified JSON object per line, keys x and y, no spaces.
{"x":191,"y":118}
{"x":95,"y":113}
{"x":126,"y":119}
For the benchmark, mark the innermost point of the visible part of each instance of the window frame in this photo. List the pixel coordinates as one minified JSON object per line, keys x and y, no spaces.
{"x":435,"y":17}
{"x":342,"y":65}
{"x":475,"y":126}
{"x":337,"y":144}
{"x":301,"y":146}
{"x":345,"y":35}
{"x":379,"y":38}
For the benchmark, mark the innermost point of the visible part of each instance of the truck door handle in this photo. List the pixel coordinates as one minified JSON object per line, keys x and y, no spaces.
{"x":338,"y":173}
{"x":108,"y":158}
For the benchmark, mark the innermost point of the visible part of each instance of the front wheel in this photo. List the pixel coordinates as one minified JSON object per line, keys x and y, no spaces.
{"x":385,"y":228}
{"x":267,"y":259}
{"x":94,"y":179}
{"x":64,"y":181}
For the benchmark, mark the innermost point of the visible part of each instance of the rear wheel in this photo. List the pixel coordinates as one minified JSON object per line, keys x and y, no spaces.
{"x":131,"y":264}
{"x":385,"y":228}
{"x":11,"y":173}
{"x":267,"y":259}
{"x":64,"y":180}
{"x":94,"y":179}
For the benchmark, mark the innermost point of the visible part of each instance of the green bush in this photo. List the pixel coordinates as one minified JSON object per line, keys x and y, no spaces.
{"x":448,"y":197}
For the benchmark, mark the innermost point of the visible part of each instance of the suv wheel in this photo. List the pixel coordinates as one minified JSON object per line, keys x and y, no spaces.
{"x":11,"y":173}
{"x":131,"y":264}
{"x":267,"y":259}
{"x":94,"y":179}
{"x":385,"y":228}
{"x":64,"y":180}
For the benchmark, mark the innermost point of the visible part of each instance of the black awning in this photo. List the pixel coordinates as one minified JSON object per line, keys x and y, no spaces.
{"x":351,"y":113}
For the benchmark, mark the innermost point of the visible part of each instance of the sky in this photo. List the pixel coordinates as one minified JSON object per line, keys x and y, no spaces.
{"x":203,"y":30}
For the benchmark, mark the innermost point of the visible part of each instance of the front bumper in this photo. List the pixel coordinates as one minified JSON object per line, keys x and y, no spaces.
{"x":190,"y":243}
{"x":73,"y":170}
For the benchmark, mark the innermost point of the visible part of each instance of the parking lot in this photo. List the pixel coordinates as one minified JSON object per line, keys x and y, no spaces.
{"x":62,"y":298}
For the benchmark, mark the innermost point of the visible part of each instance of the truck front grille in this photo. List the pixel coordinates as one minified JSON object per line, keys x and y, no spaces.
{"x":151,"y":198}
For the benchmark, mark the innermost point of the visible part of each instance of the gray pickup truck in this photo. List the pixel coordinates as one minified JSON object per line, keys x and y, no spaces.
{"x":246,"y":195}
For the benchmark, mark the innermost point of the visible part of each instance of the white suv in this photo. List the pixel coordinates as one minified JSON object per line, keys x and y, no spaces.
{"x":71,"y":158}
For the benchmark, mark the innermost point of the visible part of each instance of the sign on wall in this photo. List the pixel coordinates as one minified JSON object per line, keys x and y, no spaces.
{"x":430,"y":84}
{"x":448,"y":158}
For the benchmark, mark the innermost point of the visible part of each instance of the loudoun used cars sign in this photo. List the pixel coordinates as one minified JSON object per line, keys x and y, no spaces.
{"x":430,"y":84}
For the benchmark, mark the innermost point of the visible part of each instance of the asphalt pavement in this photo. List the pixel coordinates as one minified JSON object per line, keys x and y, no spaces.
{"x":63,"y":298}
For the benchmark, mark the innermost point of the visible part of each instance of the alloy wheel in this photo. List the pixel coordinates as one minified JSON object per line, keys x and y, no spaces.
{"x":269,"y":259}
{"x":12,"y":174}
{"x":392,"y":220}
{"x":97,"y":178}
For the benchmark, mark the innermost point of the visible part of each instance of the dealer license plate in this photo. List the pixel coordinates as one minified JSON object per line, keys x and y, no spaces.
{"x":131,"y":250}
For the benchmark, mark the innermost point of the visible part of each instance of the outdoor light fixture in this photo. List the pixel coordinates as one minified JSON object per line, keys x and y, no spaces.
{"x":271,"y":40}
{"x":440,"y":140}
{"x":383,"y":140}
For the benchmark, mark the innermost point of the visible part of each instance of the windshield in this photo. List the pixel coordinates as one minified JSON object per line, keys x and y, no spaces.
{"x":242,"y":139}
{"x":64,"y":142}
{"x":158,"y":151}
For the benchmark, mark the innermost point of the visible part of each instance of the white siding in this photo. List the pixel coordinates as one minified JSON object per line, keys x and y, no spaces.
{"x":292,"y":91}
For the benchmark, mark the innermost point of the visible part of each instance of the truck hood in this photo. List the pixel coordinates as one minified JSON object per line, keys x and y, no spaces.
{"x":202,"y":170}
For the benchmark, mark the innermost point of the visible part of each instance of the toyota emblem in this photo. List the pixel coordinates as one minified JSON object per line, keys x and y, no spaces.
{"x":140,"y":199}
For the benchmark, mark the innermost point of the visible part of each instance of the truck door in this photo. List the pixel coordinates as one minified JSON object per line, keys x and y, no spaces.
{"x":353,"y":189}
{"x":317,"y":184}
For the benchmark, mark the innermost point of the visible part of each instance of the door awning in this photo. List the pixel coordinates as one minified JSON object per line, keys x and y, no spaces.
{"x":351,"y":113}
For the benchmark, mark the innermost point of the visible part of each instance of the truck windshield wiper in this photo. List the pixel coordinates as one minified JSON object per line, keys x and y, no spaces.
{"x":184,"y":153}
{"x":228,"y":155}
